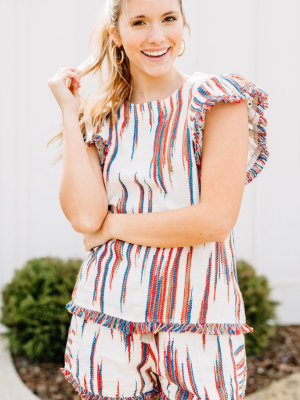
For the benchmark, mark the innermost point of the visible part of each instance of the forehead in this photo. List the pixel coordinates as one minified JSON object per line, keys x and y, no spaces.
{"x":149,"y":8}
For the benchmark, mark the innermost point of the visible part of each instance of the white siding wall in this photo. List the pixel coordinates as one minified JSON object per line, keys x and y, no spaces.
{"x":258,"y":39}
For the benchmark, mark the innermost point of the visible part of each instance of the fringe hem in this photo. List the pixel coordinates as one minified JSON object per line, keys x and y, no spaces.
{"x":86,"y":395}
{"x":130,"y":327}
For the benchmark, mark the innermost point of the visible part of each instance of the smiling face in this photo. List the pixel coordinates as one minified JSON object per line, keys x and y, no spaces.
{"x":154,"y":36}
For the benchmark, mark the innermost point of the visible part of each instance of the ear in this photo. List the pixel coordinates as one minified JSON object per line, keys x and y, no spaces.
{"x":111,"y":29}
{"x":115,"y":36}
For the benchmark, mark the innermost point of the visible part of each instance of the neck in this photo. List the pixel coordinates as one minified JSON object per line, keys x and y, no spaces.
{"x":148,"y":88}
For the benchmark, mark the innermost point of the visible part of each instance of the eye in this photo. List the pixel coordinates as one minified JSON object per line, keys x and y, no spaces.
{"x":174,"y":19}
{"x":137,"y":23}
{"x":140,"y":22}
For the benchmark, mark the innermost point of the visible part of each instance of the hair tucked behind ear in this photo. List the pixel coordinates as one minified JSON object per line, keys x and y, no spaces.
{"x":113,"y":81}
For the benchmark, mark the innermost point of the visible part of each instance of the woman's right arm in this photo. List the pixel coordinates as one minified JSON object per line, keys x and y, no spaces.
{"x":82,"y":192}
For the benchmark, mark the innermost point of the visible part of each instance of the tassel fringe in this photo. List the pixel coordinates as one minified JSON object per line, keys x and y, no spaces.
{"x":86,"y":395}
{"x":129,"y":327}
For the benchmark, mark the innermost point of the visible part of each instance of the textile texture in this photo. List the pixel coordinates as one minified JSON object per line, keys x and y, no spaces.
{"x":104,"y":363}
{"x":149,"y":320}
{"x":151,"y":160}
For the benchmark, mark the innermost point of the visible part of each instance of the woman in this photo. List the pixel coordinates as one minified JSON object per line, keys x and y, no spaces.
{"x":156,"y":307}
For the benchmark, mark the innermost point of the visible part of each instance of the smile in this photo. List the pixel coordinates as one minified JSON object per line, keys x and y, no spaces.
{"x":156,"y":54}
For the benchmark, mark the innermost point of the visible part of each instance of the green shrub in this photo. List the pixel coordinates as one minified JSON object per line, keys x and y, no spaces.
{"x":259,"y":308}
{"x":33,"y":308}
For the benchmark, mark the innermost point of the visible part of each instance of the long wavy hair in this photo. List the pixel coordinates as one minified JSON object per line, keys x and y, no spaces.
{"x":112,"y":88}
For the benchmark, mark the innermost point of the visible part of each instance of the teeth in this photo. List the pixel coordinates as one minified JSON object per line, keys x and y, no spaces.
{"x":155,"y":53}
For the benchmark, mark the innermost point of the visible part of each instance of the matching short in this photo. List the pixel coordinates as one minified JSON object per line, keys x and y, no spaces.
{"x":105,"y":363}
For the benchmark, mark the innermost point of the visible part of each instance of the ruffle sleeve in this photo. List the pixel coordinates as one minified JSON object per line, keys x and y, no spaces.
{"x":99,"y":136}
{"x":233,"y":88}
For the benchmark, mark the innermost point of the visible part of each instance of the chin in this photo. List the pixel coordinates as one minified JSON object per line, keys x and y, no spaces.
{"x":156,"y":72}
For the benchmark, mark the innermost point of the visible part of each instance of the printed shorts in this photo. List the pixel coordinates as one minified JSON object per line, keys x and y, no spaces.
{"x":105,"y":363}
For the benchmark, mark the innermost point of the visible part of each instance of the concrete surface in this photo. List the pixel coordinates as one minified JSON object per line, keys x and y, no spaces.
{"x":287,"y":388}
{"x":11,"y":385}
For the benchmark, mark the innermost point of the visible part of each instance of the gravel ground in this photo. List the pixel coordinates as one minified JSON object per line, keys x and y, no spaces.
{"x":287,"y":388}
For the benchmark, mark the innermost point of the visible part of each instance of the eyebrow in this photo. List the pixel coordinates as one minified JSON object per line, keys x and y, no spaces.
{"x":167,"y":13}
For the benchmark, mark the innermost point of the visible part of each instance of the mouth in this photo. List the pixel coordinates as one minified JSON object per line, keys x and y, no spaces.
{"x":156,"y":55}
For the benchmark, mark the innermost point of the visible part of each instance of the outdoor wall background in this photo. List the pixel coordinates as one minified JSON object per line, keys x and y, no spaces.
{"x":257,"y":39}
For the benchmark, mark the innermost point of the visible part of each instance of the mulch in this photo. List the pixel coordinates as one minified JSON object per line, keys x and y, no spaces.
{"x":280,"y":359}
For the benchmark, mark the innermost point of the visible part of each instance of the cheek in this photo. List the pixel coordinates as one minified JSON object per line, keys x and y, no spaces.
{"x":176,"y":36}
{"x":131,"y":45}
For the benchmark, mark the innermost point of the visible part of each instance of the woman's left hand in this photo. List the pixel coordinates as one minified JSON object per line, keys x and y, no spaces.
{"x":99,"y":237}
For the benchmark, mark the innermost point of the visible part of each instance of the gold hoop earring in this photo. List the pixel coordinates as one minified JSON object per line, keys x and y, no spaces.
{"x":122,"y":52}
{"x":179,"y":55}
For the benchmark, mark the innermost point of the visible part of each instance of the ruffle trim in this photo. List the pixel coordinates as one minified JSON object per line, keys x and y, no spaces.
{"x":95,"y":139}
{"x":233,"y":88}
{"x":86,"y":395}
{"x":130,"y":327}
{"x":102,"y":145}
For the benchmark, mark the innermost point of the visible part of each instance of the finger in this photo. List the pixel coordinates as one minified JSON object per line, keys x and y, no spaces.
{"x":70,"y":78}
{"x":62,"y":70}
{"x":68,"y":74}
{"x":74,"y":83}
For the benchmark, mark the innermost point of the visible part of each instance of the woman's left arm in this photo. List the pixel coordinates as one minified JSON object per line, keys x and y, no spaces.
{"x":223,"y":173}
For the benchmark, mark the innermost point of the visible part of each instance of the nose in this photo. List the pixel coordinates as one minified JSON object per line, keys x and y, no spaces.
{"x":156,"y":34}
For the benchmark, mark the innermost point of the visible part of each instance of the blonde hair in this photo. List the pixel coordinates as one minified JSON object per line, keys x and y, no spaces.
{"x":111,"y":90}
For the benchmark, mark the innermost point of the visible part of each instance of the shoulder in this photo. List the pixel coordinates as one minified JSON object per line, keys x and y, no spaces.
{"x":209,"y":89}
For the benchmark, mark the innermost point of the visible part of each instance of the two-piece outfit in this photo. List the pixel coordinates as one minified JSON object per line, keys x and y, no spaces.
{"x":149,"y":320}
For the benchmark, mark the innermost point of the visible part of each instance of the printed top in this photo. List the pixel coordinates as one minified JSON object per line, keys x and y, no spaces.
{"x":151,"y":162}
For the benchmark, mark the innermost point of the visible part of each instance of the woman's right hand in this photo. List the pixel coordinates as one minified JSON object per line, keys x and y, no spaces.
{"x":68,"y":98}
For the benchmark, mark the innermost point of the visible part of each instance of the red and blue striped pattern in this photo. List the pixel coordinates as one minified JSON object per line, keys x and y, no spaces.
{"x":151,"y":162}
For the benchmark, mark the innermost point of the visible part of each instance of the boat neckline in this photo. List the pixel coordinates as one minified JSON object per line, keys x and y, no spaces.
{"x":162,"y":100}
